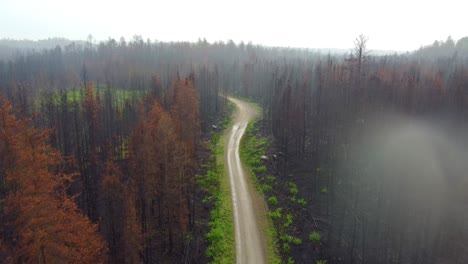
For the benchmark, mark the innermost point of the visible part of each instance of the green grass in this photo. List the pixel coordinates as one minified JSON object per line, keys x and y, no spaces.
{"x":266,"y":188}
{"x":251,"y":150}
{"x":273,"y":200}
{"x":315,"y":237}
{"x":221,"y":247}
{"x":324,"y":190}
{"x":221,"y":242}
{"x":119,"y":96}
{"x":288,"y":221}
{"x":302,"y":202}
{"x":292,"y":188}
{"x":270,"y":178}
{"x":276,"y":214}
{"x":297,"y":241}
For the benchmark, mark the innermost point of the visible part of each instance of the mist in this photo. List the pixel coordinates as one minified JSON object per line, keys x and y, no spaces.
{"x":406,"y":189}
{"x":299,"y":24}
{"x":112,"y":116}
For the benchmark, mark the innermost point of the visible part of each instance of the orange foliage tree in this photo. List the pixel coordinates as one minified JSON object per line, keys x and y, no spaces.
{"x":47,"y":226}
{"x":186,"y":113}
{"x":161,"y":155}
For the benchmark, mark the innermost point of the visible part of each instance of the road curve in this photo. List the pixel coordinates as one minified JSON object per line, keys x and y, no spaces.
{"x":249,"y":243}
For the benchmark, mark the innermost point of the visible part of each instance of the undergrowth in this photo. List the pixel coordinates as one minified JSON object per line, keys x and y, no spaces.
{"x":221,"y":242}
{"x":279,"y":229}
{"x":251,"y":150}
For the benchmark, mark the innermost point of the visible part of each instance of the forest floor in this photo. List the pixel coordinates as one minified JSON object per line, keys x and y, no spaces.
{"x":248,"y":206}
{"x":296,"y":229}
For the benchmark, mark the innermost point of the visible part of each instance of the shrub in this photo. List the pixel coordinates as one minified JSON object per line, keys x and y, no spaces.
{"x":276,"y":214}
{"x":290,"y":239}
{"x":261,"y":169}
{"x":321,"y":261}
{"x":266,"y":188}
{"x":301,"y":202}
{"x":293,"y":188}
{"x":210,"y":183}
{"x":287,"y":238}
{"x":315,"y":236}
{"x":289,"y":220}
{"x":297,"y":241}
{"x":270,"y":178}
{"x":286,"y":247}
{"x":273,"y":200}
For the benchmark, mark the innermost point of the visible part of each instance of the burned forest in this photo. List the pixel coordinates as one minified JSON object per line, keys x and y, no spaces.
{"x":146,"y":151}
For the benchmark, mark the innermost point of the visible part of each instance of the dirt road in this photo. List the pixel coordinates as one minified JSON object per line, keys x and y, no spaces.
{"x":249,"y":243}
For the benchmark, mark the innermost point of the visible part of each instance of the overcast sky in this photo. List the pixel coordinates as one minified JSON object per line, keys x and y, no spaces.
{"x":389,"y":25}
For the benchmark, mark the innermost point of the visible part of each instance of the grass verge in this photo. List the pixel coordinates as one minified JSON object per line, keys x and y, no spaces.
{"x":76,"y":95}
{"x":251,"y":150}
{"x":281,"y":237}
{"x":221,"y":242}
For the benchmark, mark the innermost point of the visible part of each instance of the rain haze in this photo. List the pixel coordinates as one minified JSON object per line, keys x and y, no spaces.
{"x":390,"y":25}
{"x":318,"y":132}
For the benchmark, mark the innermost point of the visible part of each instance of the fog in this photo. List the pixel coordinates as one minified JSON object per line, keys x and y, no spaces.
{"x":406,"y":190}
{"x":368,"y":154}
{"x":306,"y":24}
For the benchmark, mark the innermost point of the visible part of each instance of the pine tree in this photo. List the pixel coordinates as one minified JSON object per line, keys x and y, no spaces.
{"x":185,"y":111}
{"x":47,"y":225}
{"x":119,"y":222}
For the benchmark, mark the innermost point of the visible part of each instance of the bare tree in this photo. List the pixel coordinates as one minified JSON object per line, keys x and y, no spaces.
{"x":361,"y":53}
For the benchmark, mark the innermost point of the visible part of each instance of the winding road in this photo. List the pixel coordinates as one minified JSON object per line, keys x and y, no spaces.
{"x":250,"y":246}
